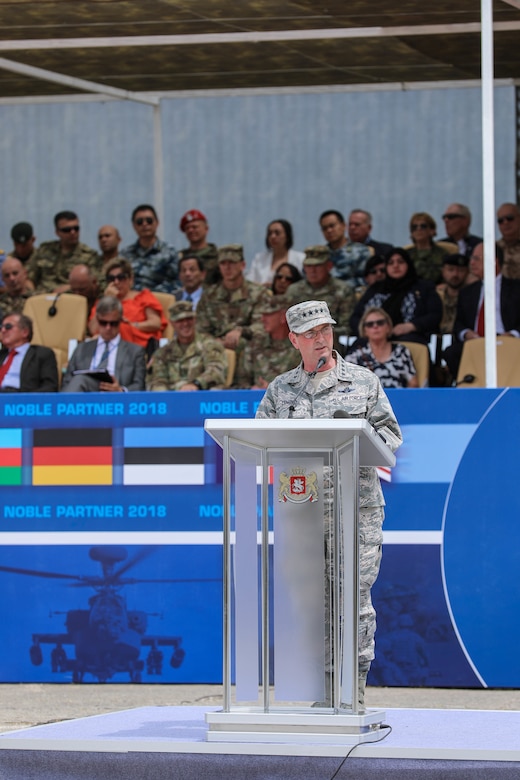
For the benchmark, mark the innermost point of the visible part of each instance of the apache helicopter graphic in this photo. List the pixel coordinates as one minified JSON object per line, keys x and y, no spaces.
{"x":107,"y":637}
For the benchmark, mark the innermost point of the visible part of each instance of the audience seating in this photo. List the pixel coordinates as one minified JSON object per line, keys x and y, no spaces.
{"x":166,"y":300}
{"x":473,"y":363}
{"x":421,"y":360}
{"x":232,"y":361}
{"x":56,"y":329}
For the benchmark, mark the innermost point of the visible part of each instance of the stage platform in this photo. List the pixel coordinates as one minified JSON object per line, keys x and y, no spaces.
{"x":162,"y":742}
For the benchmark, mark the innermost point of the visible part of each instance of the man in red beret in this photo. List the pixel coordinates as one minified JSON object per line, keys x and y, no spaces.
{"x":196,"y":227}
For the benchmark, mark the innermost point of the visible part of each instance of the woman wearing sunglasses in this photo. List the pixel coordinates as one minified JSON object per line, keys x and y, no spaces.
{"x":286,"y":274}
{"x":279,"y":241}
{"x":392,"y":363}
{"x":427,"y":255}
{"x":143,"y":318}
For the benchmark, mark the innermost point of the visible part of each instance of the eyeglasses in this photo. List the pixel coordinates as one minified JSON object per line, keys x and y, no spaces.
{"x":7,"y":326}
{"x":375,"y":323}
{"x":69,"y":229}
{"x":420,"y":226}
{"x":141,"y":220}
{"x":116,"y":277}
{"x":108,"y":323}
{"x":452,"y":216}
{"x":313,"y":334}
{"x":281,"y":276}
{"x":507,"y":218}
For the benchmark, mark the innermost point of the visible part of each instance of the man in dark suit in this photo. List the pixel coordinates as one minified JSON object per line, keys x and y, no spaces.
{"x":93,"y":360}
{"x":359,"y":227}
{"x":25,"y":368}
{"x":469,"y":320}
{"x":457,"y":219}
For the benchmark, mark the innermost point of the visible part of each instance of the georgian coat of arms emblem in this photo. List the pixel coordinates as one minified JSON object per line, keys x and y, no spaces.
{"x":298,"y":487}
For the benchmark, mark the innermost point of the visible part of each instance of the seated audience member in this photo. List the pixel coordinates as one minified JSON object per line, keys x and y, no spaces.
{"x":469,"y":319}
{"x":279,"y":241}
{"x":84,"y":281}
{"x":508,"y":218}
{"x":191,"y":275}
{"x":359,"y":229}
{"x":191,"y":361}
{"x":17,"y":287}
{"x":269,"y":352}
{"x":375,"y":271}
{"x":348,"y":257}
{"x":455,"y":269}
{"x":392,"y":363}
{"x":154,"y":262}
{"x":195,"y":226}
{"x":143,"y":317}
{"x":413,"y":304}
{"x":109,"y":354}
{"x":320,"y":285}
{"x":22,"y":235}
{"x":24,"y":367}
{"x":50,"y":265}
{"x":108,"y":240}
{"x":427,"y":256}
{"x":457,"y":219}
{"x":285,"y":275}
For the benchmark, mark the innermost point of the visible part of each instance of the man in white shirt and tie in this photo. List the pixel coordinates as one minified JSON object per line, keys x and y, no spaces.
{"x":109,"y":353}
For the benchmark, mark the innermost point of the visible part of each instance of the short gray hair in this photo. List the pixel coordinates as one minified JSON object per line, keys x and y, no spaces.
{"x":108,"y":304}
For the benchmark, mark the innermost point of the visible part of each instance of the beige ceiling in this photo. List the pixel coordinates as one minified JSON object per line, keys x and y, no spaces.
{"x":165,"y":45}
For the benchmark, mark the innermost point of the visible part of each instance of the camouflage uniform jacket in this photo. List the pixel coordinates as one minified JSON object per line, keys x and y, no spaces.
{"x":337,"y":294}
{"x":209,"y":256}
{"x":348,"y":387}
{"x":265,"y":358}
{"x":349,"y":262}
{"x":10,"y":303}
{"x":220,"y":310}
{"x":449,"y":309}
{"x":49,"y":268}
{"x":176,"y":364}
{"x":155,"y":267}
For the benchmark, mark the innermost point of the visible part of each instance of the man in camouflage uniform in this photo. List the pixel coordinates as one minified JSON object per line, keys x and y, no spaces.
{"x":154,"y":261}
{"x":23,"y":241}
{"x":195,"y":225}
{"x":348,"y":257}
{"x":230,"y":310}
{"x":455,"y":269}
{"x":190,"y":361}
{"x":17,"y":287}
{"x":50,"y":265}
{"x":319,"y":284}
{"x":355,"y":390}
{"x":269,"y":352}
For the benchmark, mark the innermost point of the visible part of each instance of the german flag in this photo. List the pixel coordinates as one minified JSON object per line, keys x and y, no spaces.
{"x":10,"y":456}
{"x":72,"y":456}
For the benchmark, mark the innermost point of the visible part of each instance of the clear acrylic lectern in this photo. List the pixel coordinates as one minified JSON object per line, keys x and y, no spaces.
{"x":291,"y":579}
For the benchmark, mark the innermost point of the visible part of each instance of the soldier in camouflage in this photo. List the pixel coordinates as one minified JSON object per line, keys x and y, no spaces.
{"x":191,"y":361}
{"x":348,"y":257}
{"x":17,"y":287}
{"x":270,"y":352}
{"x":319,"y":284}
{"x":155,"y":262}
{"x":338,"y":385}
{"x":50,"y":265}
{"x":195,"y":225}
{"x":230,"y":310}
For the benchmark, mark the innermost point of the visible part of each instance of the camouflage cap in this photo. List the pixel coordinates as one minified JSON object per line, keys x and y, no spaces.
{"x":233,"y":252}
{"x":272,"y":304}
{"x":316,"y":255}
{"x":307,"y":315}
{"x":181,"y":310}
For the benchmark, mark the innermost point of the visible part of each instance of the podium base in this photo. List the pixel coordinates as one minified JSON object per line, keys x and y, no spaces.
{"x":290,"y":727}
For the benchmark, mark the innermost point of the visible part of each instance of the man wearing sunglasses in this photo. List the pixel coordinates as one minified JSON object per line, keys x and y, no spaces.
{"x":508,"y":218}
{"x":25,"y":368}
{"x":155,"y":262}
{"x":457,"y":219}
{"x":106,"y":364}
{"x":50,"y":265}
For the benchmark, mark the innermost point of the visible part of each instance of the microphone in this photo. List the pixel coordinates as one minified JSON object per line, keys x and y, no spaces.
{"x":468,"y":379}
{"x":321,"y":362}
{"x":52,"y":308}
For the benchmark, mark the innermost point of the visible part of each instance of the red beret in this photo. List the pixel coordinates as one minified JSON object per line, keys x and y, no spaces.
{"x":191,"y":216}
